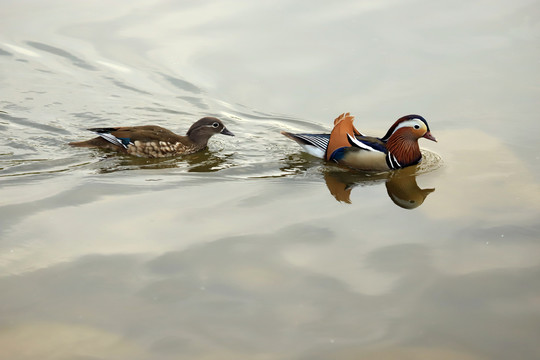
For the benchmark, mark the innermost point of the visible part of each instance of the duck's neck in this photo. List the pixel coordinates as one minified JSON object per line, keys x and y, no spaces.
{"x":199,"y":138}
{"x":404,"y":148}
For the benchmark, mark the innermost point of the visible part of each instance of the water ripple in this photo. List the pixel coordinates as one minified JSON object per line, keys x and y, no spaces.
{"x":59,"y":52}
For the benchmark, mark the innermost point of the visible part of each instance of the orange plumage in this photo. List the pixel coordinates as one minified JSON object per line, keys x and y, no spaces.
{"x":343,"y":125}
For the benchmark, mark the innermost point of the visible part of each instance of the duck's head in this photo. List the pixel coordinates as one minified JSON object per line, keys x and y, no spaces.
{"x":206,"y":128}
{"x":411,"y":127}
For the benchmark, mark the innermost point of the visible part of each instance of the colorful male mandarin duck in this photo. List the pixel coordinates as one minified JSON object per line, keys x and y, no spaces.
{"x":346,"y":145}
{"x":154,"y":141}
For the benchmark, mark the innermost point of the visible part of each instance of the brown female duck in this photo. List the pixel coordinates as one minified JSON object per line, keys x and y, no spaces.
{"x":154,"y":141}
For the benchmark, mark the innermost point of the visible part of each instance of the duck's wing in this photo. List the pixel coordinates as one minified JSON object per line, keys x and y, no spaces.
{"x":348,"y":115}
{"x":313,"y":144}
{"x":341,"y":133}
{"x":112,"y":136}
{"x":318,"y":144}
{"x":368,"y":143}
{"x":124,"y":136}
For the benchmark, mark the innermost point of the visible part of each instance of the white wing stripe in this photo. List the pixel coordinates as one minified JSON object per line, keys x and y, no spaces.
{"x":112,"y":139}
{"x":360,"y":144}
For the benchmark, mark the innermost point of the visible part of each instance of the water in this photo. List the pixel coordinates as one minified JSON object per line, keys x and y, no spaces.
{"x":252,"y":249}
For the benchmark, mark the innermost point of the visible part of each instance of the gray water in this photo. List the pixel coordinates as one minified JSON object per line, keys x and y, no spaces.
{"x":253,"y":249}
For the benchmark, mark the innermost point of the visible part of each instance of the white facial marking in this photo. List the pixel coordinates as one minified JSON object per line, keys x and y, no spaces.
{"x":413,"y":123}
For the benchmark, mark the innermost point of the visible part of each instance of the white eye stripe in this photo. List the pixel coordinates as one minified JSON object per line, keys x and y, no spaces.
{"x":410,"y":123}
{"x":215,"y":125}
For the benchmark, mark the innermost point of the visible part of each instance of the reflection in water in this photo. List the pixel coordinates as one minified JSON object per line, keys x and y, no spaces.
{"x":203,"y":161}
{"x":341,"y":183}
{"x":405,"y":193}
{"x":207,"y":161}
{"x":401,"y":184}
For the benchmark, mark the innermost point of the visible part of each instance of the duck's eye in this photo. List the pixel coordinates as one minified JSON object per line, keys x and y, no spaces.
{"x":416,"y":126}
{"x":215,"y":125}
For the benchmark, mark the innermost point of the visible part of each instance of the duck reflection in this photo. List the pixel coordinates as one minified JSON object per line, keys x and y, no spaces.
{"x":203,"y":161}
{"x":401,"y":186}
{"x":207,"y":161}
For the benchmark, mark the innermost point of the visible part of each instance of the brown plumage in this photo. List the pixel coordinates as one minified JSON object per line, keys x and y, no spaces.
{"x":154,"y":141}
{"x":403,"y":144}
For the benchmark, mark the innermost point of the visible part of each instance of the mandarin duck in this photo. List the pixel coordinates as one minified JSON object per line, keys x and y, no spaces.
{"x":153,"y":141}
{"x":397,"y":149}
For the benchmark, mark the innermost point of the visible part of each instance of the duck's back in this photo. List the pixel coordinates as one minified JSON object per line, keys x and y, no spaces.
{"x":143,"y":133}
{"x":143,"y":141}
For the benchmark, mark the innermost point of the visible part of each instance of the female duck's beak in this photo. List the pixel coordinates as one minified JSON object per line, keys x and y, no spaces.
{"x":225,"y":131}
{"x":428,"y":136}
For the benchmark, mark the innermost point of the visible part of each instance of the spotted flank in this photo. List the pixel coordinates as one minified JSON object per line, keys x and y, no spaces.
{"x":158,"y":149}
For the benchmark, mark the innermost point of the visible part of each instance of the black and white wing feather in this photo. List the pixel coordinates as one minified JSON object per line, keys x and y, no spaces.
{"x":313,"y":144}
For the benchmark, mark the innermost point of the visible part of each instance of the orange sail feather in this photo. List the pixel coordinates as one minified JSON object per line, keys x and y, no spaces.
{"x":343,"y":126}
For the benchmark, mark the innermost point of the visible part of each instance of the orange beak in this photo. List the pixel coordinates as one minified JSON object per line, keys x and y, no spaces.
{"x":428,"y":136}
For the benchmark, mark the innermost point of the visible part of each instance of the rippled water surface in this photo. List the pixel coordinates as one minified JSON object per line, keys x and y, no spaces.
{"x":252,"y":249}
